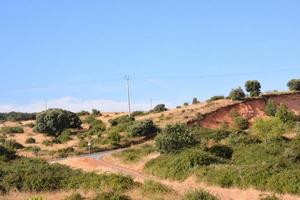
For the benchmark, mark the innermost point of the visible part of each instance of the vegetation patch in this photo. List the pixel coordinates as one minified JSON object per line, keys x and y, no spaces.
{"x":134,"y":154}
{"x":199,"y":195}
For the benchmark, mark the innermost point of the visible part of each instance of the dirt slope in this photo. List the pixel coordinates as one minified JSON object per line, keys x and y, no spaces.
{"x":250,"y":109}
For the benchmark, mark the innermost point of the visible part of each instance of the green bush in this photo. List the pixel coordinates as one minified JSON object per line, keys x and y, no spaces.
{"x":54,"y":121}
{"x":294,"y":85}
{"x":268,"y":128}
{"x":284,"y":115}
{"x":114,"y":137}
{"x":152,"y":187}
{"x":253,"y":87}
{"x":111,"y":196}
{"x":35,"y":175}
{"x":174,"y":138}
{"x":221,"y":151}
{"x":64,"y":137}
{"x":237,"y":94}
{"x":12,"y":144}
{"x":198,"y":195}
{"x":273,"y":197}
{"x":83,"y":113}
{"x":30,"y":140}
{"x":121,"y":120}
{"x":179,"y":166}
{"x":215,"y":98}
{"x":15,"y":129}
{"x":240,"y":123}
{"x":142,"y":128}
{"x":6,"y":154}
{"x":271,"y":108}
{"x":137,"y":113}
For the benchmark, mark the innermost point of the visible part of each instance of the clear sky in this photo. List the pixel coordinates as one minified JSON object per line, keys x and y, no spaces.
{"x":76,"y":53}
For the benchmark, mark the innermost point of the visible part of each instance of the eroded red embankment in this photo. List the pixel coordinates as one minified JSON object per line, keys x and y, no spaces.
{"x":250,"y":109}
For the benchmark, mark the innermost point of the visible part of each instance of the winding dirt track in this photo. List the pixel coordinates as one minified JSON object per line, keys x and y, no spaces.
{"x":95,"y":162}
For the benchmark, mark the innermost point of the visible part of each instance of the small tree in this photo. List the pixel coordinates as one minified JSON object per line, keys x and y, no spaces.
{"x":142,"y":128}
{"x":237,"y":94}
{"x":185,"y":104}
{"x":174,"y":138}
{"x":96,"y":112}
{"x":253,"y":87}
{"x":284,"y":115}
{"x":159,"y":108}
{"x":271,"y":108}
{"x":294,"y":85}
{"x":195,"y":101}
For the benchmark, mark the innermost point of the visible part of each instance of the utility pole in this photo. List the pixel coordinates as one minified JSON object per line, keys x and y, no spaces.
{"x":128,"y":94}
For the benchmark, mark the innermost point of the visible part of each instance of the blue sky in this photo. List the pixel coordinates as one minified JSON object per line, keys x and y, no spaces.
{"x":76,"y":53}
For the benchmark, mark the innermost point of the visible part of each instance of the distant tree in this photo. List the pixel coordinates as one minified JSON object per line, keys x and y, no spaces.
{"x":96,"y":112}
{"x":185,"y":104}
{"x":195,"y":101}
{"x":237,"y":94}
{"x":253,"y":87}
{"x":294,"y":85}
{"x":159,"y":108}
{"x":271,"y":108}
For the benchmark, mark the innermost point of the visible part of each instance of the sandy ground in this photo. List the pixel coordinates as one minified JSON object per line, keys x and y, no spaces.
{"x":109,"y":164}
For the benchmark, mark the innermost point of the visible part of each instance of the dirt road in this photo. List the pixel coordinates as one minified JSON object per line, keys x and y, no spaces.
{"x":96,"y":162}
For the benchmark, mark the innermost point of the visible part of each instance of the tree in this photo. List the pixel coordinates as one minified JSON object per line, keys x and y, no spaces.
{"x":159,"y":108}
{"x":271,"y":108}
{"x":253,"y":87}
{"x":174,"y":138}
{"x":96,"y":112}
{"x":237,"y":94}
{"x":195,"y":101}
{"x":54,"y":121}
{"x":185,"y":104}
{"x":294,"y":85}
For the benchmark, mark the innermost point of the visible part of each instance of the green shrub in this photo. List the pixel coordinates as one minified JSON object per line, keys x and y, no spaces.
{"x":152,"y":187}
{"x":237,"y":94}
{"x":65,"y":152}
{"x":294,"y":85}
{"x":284,"y":115}
{"x":268,"y":128}
{"x":12,"y":144}
{"x":35,"y":175}
{"x":271,"y":108}
{"x":30,"y":140}
{"x":111,"y":196}
{"x":64,"y":137}
{"x":75,"y":196}
{"x":6,"y":154}
{"x":215,"y":98}
{"x":174,"y":138}
{"x":137,"y":113}
{"x":15,"y":129}
{"x":198,"y":195}
{"x":35,"y":198}
{"x":47,"y":143}
{"x":185,"y":104}
{"x":253,"y":87}
{"x":240,"y":123}
{"x":221,"y":151}
{"x":121,"y":120}
{"x":179,"y":166}
{"x":54,"y":121}
{"x":83,"y":113}
{"x":114,"y":137}
{"x":142,"y":128}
